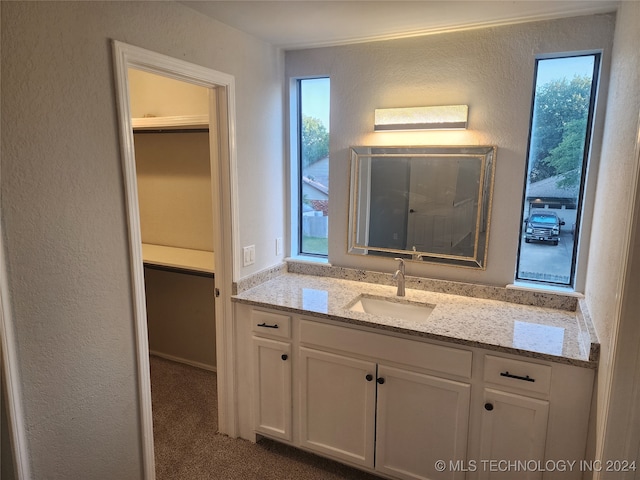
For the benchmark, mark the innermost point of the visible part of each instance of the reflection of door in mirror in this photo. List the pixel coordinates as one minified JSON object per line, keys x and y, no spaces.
{"x":431,"y":195}
{"x":443,"y":205}
{"x":389,"y":187}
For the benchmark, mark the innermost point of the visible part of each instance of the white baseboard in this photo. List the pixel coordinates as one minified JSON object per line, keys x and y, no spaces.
{"x":173,"y":358}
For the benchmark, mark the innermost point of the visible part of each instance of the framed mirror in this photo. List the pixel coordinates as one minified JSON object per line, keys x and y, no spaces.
{"x":428,"y":204}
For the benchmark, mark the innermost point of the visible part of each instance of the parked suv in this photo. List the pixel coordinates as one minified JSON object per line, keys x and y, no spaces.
{"x":543,"y":227}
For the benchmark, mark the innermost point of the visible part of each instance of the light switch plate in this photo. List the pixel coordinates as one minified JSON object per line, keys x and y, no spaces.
{"x":249,"y":255}
{"x":279,"y":246}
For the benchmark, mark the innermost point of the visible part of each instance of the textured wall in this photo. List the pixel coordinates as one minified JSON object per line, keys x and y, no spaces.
{"x":615,"y":310}
{"x":489,"y":69}
{"x":63,"y":211}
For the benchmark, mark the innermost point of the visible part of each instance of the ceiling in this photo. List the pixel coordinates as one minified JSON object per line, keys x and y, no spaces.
{"x":308,"y":23}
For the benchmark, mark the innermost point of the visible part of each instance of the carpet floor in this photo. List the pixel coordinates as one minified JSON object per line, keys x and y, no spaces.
{"x":188,"y":447}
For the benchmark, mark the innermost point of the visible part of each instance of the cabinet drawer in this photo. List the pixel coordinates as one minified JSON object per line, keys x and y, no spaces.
{"x":270,"y":324}
{"x":452,"y":361}
{"x":517,"y":374}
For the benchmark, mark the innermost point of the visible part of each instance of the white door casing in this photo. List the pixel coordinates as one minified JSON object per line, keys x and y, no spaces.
{"x":10,"y":377}
{"x":224,"y":184}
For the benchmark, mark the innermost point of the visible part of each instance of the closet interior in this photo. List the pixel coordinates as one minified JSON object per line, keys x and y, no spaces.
{"x":173,"y":168}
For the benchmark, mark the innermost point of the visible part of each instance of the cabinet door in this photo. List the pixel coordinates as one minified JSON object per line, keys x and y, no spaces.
{"x":272,"y":387}
{"x":337,"y":406}
{"x":420,"y":419}
{"x":514,"y":428}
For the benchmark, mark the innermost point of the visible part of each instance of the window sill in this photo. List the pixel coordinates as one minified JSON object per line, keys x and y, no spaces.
{"x":534,"y":287}
{"x":308,"y":259}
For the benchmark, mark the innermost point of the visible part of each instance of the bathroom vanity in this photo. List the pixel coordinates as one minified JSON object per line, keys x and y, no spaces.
{"x":477,"y":384}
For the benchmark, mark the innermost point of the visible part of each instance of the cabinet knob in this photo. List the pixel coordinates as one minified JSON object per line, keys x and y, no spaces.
{"x":488,"y":406}
{"x":284,"y":356}
{"x":369,"y":377}
{"x":380,"y":380}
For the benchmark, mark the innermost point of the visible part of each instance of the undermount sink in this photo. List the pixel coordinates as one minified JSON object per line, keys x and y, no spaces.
{"x":392,"y":307}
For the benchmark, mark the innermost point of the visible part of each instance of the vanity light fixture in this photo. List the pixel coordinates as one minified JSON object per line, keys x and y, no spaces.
{"x":447,"y":117}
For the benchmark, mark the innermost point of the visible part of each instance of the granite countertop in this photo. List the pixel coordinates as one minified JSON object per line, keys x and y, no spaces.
{"x":530,"y":331}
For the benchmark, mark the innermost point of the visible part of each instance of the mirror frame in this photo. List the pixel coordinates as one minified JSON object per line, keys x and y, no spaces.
{"x":359,"y":194}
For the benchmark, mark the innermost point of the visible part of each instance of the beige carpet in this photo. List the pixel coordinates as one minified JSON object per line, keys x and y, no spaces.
{"x":187,"y":446}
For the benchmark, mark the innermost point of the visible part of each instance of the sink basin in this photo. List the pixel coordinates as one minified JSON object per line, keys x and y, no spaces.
{"x":392,"y":307}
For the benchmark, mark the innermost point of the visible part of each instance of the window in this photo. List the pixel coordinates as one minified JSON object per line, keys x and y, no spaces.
{"x":559,"y":139}
{"x":313,"y":166}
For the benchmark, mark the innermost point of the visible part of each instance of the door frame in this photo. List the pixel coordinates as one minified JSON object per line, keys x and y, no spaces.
{"x":18,"y":444}
{"x":222,"y":121}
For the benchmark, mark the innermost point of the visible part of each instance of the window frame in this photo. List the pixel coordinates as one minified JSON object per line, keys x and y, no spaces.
{"x":586,"y":192}
{"x":295,"y":171}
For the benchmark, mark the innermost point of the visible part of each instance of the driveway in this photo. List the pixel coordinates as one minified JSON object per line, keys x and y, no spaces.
{"x":545,"y":261}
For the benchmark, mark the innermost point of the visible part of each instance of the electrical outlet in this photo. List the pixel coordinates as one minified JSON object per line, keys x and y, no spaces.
{"x":249,"y":255}
{"x":279,"y":246}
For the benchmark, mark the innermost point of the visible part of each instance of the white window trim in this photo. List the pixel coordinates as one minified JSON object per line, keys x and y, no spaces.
{"x":294,"y":178}
{"x":589,"y":191}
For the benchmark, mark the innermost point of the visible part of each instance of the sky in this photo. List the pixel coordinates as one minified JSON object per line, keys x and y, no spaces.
{"x":315,"y":99}
{"x":558,"y":68}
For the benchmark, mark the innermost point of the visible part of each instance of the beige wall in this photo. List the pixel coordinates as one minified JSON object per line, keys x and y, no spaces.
{"x":181,"y":320}
{"x":63,"y":212}
{"x":489,"y":69}
{"x":613,"y":278}
{"x":158,"y":96}
{"x":174,"y":189}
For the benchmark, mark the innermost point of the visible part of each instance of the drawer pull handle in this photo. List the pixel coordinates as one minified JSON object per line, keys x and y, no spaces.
{"x":517,"y":377}
{"x":267,"y":326}
{"x":369,"y":377}
{"x":380,"y":380}
{"x":284,"y":356}
{"x":488,"y":406}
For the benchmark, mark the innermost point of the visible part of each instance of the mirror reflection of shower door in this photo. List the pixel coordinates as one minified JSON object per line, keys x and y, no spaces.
{"x":432,"y":192}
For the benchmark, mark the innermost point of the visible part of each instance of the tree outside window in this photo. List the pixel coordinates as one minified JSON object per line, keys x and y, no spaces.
{"x":560,"y":133}
{"x":314,"y":166}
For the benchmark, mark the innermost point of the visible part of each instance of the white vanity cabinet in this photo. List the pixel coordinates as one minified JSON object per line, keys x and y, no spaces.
{"x":395,"y":405}
{"x":530,"y":418}
{"x":390,"y":404}
{"x":420,"y":419}
{"x":352,"y":408}
{"x":514,"y":425}
{"x":337,"y":405}
{"x":272,"y":373}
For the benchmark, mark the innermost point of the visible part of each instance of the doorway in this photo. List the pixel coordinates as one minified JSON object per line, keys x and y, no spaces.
{"x":221,"y":125}
{"x":173,"y":173}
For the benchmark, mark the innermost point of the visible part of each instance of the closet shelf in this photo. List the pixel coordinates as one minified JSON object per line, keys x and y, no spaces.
{"x":180,"y":122}
{"x":180,"y":258}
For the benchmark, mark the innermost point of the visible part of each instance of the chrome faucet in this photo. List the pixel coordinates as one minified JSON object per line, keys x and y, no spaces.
{"x":399,"y":277}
